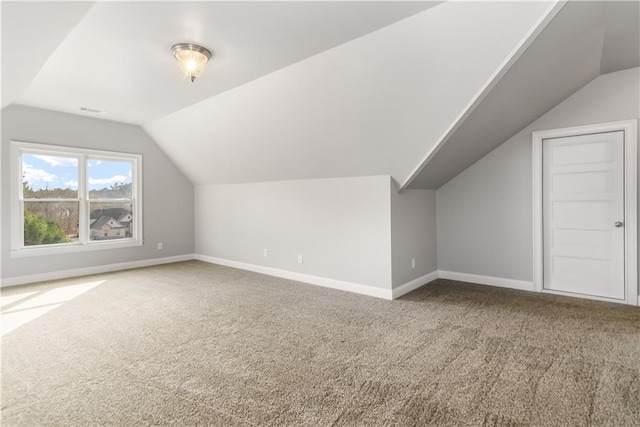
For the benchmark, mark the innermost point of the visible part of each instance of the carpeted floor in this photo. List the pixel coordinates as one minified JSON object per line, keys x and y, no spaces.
{"x":194,"y":343}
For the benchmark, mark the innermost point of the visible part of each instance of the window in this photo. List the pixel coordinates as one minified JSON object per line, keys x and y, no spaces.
{"x":69,"y":199}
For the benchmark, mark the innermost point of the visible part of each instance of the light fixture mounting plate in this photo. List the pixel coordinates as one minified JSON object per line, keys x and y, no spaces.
{"x":192,"y":47}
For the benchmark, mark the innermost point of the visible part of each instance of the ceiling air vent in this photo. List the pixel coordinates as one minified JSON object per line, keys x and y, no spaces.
{"x":91,"y":110}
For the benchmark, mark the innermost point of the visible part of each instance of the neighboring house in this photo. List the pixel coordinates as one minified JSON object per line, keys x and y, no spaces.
{"x":107,"y":228}
{"x":123,"y":216}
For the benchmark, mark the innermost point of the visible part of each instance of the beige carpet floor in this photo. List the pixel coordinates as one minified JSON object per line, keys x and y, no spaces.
{"x":196,"y":344}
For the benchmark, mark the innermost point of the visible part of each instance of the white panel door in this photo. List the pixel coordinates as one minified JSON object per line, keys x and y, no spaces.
{"x":583,"y":214}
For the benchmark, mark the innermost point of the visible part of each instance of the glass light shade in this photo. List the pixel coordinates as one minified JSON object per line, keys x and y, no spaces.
{"x":191,"y":58}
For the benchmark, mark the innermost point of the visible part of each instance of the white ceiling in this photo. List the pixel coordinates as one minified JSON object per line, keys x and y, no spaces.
{"x":311,"y":89}
{"x":30,"y":32}
{"x":372,"y":106}
{"x":621,"y":49}
{"x":117,"y":59}
{"x":584,"y":40}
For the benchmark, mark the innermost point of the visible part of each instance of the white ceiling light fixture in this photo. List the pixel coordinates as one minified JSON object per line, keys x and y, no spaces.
{"x":192,"y":58}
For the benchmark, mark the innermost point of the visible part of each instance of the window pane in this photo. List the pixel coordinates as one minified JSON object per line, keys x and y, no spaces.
{"x":50,"y":222}
{"x":109,"y":179}
{"x":49,"y":177}
{"x":110,"y":221}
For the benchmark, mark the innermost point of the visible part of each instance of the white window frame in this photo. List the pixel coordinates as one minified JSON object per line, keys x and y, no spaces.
{"x":84,"y":243}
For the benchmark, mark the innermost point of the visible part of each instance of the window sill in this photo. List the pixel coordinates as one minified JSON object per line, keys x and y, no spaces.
{"x":73,"y":248}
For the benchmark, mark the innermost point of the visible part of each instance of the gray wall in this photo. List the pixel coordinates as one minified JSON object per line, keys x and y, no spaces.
{"x":167,"y":194}
{"x":484,"y":214}
{"x":413,"y":234}
{"x":341,"y":226}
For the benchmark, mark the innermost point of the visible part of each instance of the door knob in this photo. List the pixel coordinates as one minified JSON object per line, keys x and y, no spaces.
{"x":618,"y":224}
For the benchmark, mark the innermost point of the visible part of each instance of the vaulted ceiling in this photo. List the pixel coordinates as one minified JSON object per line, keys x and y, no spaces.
{"x":584,"y":40}
{"x":115,"y":56}
{"x":415,"y":90}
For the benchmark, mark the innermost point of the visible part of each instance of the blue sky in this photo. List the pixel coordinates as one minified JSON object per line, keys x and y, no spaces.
{"x":62,"y":172}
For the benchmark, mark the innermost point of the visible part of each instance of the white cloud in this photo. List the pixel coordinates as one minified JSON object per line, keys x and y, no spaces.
{"x":71,"y":184}
{"x":31,"y":175}
{"x":58,"y":161}
{"x":112,"y":180}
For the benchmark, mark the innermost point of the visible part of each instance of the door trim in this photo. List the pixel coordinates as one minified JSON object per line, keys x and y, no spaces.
{"x":630,"y":129}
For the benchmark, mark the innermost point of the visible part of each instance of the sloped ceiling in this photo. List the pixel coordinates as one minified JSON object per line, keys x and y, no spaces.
{"x":621,"y":47}
{"x":31,"y":31}
{"x":315,"y":89}
{"x":117,"y":58}
{"x":584,"y":40}
{"x":371,"y":106}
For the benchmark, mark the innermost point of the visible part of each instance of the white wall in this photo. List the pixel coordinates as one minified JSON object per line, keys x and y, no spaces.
{"x":167,"y":194}
{"x":484,"y":214}
{"x":341,"y":226}
{"x":413,"y":234}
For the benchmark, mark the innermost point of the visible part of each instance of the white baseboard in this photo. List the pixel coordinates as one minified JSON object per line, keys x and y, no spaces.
{"x":358,"y":288}
{"x":487,"y":280}
{"x":84,"y":271}
{"x":370,"y":290}
{"x":301,"y":277}
{"x":414,"y":284}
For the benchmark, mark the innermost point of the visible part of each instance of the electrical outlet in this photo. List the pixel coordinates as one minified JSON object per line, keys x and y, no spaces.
{"x":300,"y":258}
{"x":413,"y":263}
{"x":265,"y":252}
{"x":160,"y":246}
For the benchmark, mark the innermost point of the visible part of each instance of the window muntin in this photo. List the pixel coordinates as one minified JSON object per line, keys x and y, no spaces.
{"x":74,"y":199}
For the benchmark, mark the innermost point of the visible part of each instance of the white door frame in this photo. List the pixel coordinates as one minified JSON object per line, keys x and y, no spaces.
{"x":630,"y":129}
